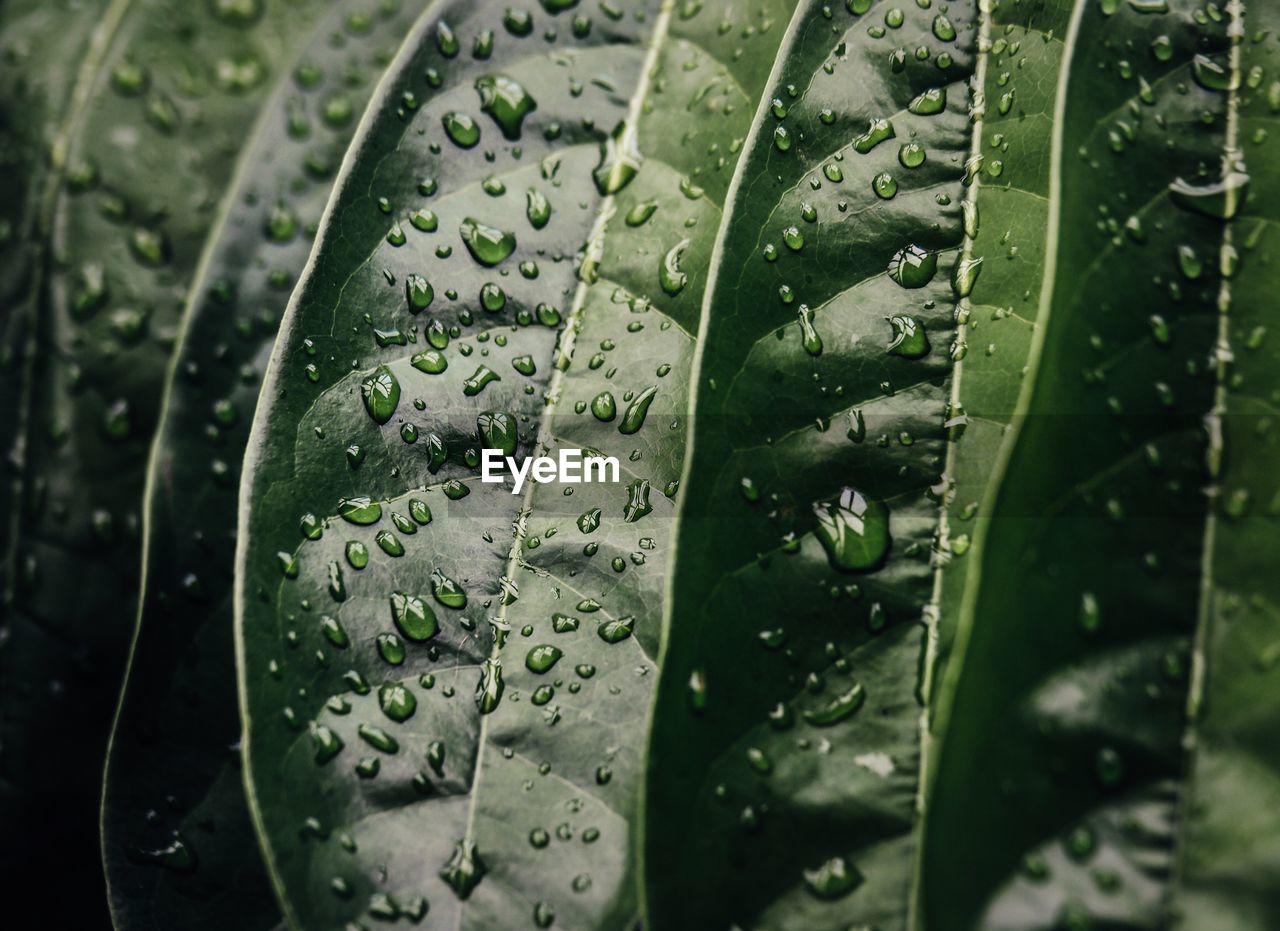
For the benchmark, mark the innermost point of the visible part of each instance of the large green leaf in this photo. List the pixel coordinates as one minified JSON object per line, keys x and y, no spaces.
{"x":787,"y":754}
{"x":784,"y":750}
{"x":1063,"y":722}
{"x":42,"y":50}
{"x":158,"y":112}
{"x":1229,"y":830}
{"x":177,"y":839}
{"x":389,"y":765}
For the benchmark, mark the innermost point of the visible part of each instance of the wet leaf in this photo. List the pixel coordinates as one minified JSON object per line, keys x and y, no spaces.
{"x":536,"y":312}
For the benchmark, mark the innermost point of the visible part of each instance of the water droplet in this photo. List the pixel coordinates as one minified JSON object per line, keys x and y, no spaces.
{"x":1090,"y":614}
{"x":619,"y":160}
{"x":413,"y":617}
{"x":639,"y":214}
{"x":429,"y":361}
{"x":843,"y":706}
{"x":616,"y":630}
{"x":489,"y":689}
{"x":381,"y":393}
{"x":637,"y":410}
{"x":537,"y":208}
{"x":542,"y":657}
{"x":397,"y":702}
{"x":637,"y":501}
{"x":418,"y":292}
{"x":670,"y":276}
{"x":964,"y":276}
{"x":911,"y":155}
{"x":506,"y":100}
{"x":1212,"y":76}
{"x":498,"y":430}
{"x":361,"y":510}
{"x":909,"y":338}
{"x":884,"y":185}
{"x":604,"y":407}
{"x":877,"y":132}
{"x":854,"y":530}
{"x":461,"y":129}
{"x":1221,"y":199}
{"x":809,"y":336}
{"x":479,"y":380}
{"x":913,"y":267}
{"x":833,"y":879}
{"x":325,"y":742}
{"x":446,"y":591}
{"x":487,"y":245}
{"x":932,"y":101}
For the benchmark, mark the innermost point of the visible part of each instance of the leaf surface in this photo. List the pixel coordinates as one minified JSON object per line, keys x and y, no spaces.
{"x":785,"y":748}
{"x":1228,"y":809}
{"x":160,"y":105}
{"x":1060,"y":788}
{"x":447,"y":688}
{"x":194,"y":861}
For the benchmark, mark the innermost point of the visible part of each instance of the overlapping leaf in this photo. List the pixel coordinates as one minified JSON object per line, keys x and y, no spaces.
{"x":177,"y":839}
{"x":1062,"y":762}
{"x":159,"y":112}
{"x":447,"y":684}
{"x":785,"y":748}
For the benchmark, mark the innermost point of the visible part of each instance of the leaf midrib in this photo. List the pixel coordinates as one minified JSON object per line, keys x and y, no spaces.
{"x":545,"y":435}
{"x":1222,"y":349}
{"x":100,"y":43}
{"x":973,"y":573}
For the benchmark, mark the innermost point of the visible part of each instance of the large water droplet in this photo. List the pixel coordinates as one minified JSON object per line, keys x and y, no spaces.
{"x":854,"y":530}
{"x":670,"y":276}
{"x":487,"y":245}
{"x":909,"y":338}
{"x":413,"y":616}
{"x":633,"y":419}
{"x":489,"y":689}
{"x":1221,"y":199}
{"x":381,"y":393}
{"x":465,"y":868}
{"x":619,"y":160}
{"x":913,"y":267}
{"x":506,"y":100}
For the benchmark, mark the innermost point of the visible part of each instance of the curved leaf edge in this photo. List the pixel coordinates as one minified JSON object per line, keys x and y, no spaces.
{"x":257,"y":434}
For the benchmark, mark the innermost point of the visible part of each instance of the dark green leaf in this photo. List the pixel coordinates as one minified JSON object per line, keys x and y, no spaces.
{"x":511,"y":785}
{"x":178,"y":842}
{"x":1099,"y":610}
{"x":811,"y":602}
{"x":43,"y":43}
{"x":164,"y":92}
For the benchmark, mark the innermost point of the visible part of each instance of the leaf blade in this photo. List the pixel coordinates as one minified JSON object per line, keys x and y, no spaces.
{"x":568,"y":731}
{"x":158,"y":866}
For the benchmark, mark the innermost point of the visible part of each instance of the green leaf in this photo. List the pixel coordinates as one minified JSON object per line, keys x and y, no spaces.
{"x":176,"y":733}
{"x":810,"y":610}
{"x":1227,"y":825}
{"x":553,"y":267}
{"x":157,"y":112}
{"x":1101,"y":610}
{"x":44,"y":44}
{"x":776,"y":795}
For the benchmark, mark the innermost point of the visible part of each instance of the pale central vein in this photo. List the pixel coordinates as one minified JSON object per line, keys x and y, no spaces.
{"x":1231,"y":162}
{"x":545,"y":435}
{"x":931,"y":611}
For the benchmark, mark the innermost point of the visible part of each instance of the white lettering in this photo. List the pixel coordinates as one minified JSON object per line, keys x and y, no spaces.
{"x":520,"y":471}
{"x":570,"y":467}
